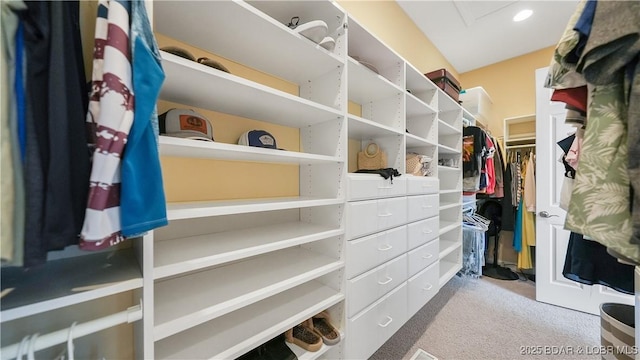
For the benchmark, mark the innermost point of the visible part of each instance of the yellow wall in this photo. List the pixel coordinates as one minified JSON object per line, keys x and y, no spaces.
{"x":387,"y":21}
{"x":510,"y":84}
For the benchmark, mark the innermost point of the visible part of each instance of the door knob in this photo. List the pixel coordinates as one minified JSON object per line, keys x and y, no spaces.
{"x":545,"y":214}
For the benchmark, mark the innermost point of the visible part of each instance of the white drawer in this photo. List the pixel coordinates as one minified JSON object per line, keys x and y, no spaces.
{"x":422,"y":206}
{"x":370,"y":251}
{"x":422,"y":287}
{"x":422,"y":185}
{"x":372,"y":285}
{"x":421,"y":232}
{"x":372,"y":186}
{"x":372,"y":327}
{"x":423,"y":256}
{"x":370,"y":216}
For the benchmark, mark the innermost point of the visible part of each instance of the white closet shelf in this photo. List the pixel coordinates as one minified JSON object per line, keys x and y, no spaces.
{"x":447,"y":129}
{"x":193,"y":84}
{"x":366,"y":86}
{"x":450,"y":191}
{"x":175,"y":256}
{"x":446,"y":226}
{"x":447,"y":271}
{"x":361,"y":128}
{"x":417,"y":107}
{"x":449,"y":206}
{"x":172,"y":146}
{"x":302,"y":354}
{"x":69,"y":281}
{"x":416,"y":141}
{"x":448,"y":168}
{"x":185,"y":302}
{"x":197,"y":209}
{"x":443,"y":149}
{"x":232,"y":335}
{"x":447,"y":247}
{"x":267,"y":45}
{"x":417,"y":82}
{"x":446,"y":103}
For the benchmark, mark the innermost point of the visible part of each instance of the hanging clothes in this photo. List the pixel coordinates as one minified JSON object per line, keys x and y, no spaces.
{"x":530,"y":184}
{"x":143,"y":204}
{"x":499,"y":170}
{"x":490,"y":170}
{"x":109,"y":119}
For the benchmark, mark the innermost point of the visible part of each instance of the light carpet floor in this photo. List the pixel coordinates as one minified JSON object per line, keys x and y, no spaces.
{"x":492,"y":319}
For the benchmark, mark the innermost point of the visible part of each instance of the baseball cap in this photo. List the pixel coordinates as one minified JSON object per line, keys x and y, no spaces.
{"x":258,"y":138}
{"x":185,"y":123}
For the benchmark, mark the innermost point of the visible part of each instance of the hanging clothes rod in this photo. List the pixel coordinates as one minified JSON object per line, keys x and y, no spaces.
{"x":130,"y":315}
{"x":520,"y":146}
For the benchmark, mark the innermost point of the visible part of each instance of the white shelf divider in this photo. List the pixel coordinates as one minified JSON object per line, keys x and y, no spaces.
{"x":443,"y":149}
{"x":197,"y":209}
{"x":366,"y":86}
{"x":193,"y":84}
{"x":361,"y":128}
{"x":415,"y":141}
{"x":185,"y":302}
{"x":447,"y":271}
{"x":232,"y":335}
{"x":177,"y":256}
{"x":449,"y":206}
{"x":417,"y":107}
{"x":172,"y":146}
{"x":447,"y":247}
{"x":447,"y":129}
{"x":446,"y":226}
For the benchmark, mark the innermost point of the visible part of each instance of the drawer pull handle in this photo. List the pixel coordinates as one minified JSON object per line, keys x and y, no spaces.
{"x":428,"y":231}
{"x":390,"y":319}
{"x":428,"y":256}
{"x":385,"y":187}
{"x":385,"y":215}
{"x":428,"y":287}
{"x":389,"y":279}
{"x":387,"y":247}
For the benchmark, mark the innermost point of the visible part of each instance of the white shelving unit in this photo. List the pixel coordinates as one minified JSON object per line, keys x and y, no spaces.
{"x":225,"y":276}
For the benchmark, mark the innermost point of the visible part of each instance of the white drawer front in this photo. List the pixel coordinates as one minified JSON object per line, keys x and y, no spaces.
{"x":372,"y":186}
{"x":370,"y":216}
{"x":421,"y":232}
{"x":372,"y":327}
{"x":370,"y":251}
{"x":422,"y":206}
{"x":422,"y":185}
{"x":372,"y":285}
{"x":422,"y":287}
{"x":423,"y":256}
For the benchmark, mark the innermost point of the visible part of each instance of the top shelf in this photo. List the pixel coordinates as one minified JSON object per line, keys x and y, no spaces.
{"x":266,"y":44}
{"x":446,"y":103}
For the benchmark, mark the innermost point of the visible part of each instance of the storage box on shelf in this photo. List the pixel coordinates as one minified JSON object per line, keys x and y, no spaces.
{"x":479,"y":105}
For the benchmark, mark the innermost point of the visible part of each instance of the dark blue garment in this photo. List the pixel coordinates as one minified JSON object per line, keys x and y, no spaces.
{"x":583,"y":27}
{"x":19,"y":91}
{"x":142,"y":199}
{"x":517,"y":232}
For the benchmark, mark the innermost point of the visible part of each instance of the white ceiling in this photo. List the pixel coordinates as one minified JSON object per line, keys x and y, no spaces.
{"x":473,"y":34}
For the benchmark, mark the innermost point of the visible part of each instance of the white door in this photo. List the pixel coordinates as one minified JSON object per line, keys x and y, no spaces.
{"x":551,"y":238}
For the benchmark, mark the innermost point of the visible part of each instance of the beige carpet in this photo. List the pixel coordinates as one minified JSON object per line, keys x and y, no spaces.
{"x":492,"y":319}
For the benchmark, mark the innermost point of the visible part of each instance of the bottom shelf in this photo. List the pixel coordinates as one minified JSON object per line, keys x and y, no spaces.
{"x":234,"y":334}
{"x":447,"y":271}
{"x":303,"y":354}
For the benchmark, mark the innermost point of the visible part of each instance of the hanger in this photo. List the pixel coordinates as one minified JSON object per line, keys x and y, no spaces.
{"x":32,"y":345}
{"x":21,"y":349}
{"x":70,"y":346}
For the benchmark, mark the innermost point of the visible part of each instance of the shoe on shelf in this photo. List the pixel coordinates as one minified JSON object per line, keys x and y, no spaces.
{"x":304,"y":336}
{"x":323,"y":327}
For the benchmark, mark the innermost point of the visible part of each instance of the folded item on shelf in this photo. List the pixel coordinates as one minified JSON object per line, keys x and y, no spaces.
{"x":185,"y":123}
{"x":366,"y":64}
{"x":315,"y":30}
{"x":212,"y":63}
{"x":328,"y":43}
{"x":178,"y":51}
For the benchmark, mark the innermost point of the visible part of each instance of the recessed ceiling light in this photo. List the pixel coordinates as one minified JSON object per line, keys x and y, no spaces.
{"x":522,"y":15}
